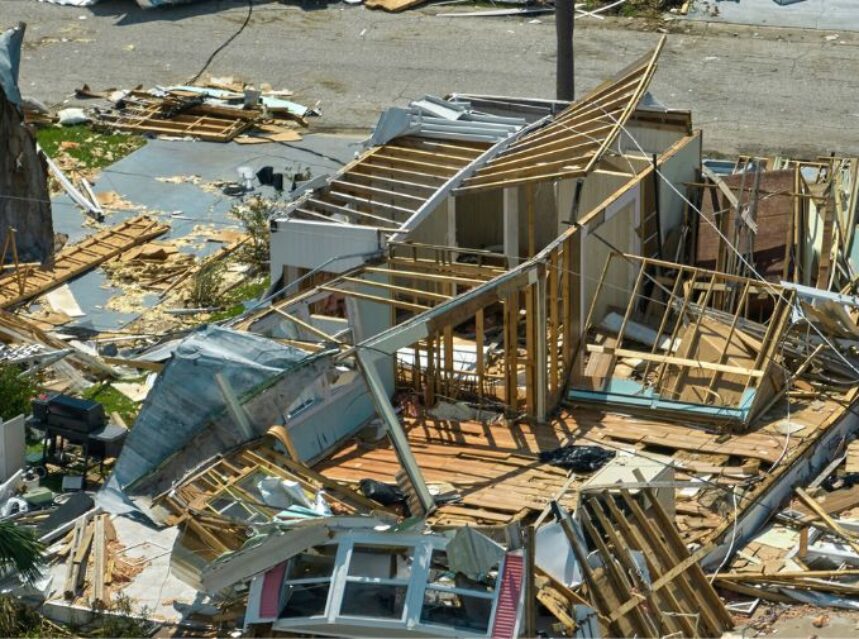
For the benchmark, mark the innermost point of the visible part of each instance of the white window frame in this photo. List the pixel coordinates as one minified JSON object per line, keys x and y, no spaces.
{"x":417,"y":585}
{"x":465,"y":592}
{"x":309,"y":580}
{"x":357,"y":579}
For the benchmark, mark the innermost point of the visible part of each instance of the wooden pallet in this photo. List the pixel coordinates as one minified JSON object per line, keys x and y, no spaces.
{"x":150,"y":120}
{"x":27,"y":282}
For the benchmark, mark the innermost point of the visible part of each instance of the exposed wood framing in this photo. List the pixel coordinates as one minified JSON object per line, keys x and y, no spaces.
{"x":701,"y":356}
{"x":677,"y":599}
{"x":28,"y":281}
{"x":146,"y":113}
{"x":388,"y":184}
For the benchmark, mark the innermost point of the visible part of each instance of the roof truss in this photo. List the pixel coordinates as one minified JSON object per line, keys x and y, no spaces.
{"x":571,"y":143}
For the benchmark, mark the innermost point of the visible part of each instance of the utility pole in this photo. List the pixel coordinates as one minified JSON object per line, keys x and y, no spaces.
{"x":565,"y":68}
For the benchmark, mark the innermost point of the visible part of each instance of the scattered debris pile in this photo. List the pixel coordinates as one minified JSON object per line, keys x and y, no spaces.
{"x":208,"y":112}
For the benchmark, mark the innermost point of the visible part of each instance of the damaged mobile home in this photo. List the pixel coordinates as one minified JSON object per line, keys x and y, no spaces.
{"x":524,"y":366}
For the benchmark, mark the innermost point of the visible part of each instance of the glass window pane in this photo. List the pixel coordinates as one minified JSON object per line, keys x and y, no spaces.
{"x":305,"y":600}
{"x":316,"y":563}
{"x":373,"y":600}
{"x":381,"y":562}
{"x":459,"y":611}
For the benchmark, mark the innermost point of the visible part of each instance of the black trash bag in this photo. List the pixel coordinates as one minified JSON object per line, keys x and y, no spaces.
{"x":266,"y":175}
{"x":834,"y":482}
{"x":385,"y":494}
{"x":580,"y":459}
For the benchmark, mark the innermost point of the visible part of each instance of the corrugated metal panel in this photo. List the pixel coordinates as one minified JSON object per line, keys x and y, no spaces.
{"x":185,"y":401}
{"x":432,"y":117}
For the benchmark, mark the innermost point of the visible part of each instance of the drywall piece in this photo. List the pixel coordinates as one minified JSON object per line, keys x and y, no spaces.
{"x":511,"y":226}
{"x":310,"y":244}
{"x":633,"y":469}
{"x":63,"y":300}
{"x":555,"y":556}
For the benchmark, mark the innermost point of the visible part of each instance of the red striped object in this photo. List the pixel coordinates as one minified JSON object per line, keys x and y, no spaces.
{"x":509,"y":598}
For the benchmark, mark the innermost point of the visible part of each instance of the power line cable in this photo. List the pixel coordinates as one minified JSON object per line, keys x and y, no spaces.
{"x":225,"y":44}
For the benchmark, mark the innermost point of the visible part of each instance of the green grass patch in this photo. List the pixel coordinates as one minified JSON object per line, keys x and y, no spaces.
{"x":248,"y":290}
{"x":227,"y":313}
{"x":234,"y":298}
{"x":93,"y":149}
{"x":113,"y":401}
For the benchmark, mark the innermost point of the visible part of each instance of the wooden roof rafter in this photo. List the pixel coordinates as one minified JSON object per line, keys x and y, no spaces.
{"x":574,"y":141}
{"x":388,"y":184}
{"x":414,"y":284}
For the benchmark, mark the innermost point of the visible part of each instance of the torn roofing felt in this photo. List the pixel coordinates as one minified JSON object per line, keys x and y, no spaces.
{"x":10,"y":61}
{"x":184,"y":420}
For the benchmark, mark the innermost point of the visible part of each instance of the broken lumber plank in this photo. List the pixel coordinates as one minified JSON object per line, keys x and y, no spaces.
{"x":835,"y":502}
{"x":99,"y":576}
{"x":786,"y":575}
{"x":828,"y":521}
{"x":80,"y":555}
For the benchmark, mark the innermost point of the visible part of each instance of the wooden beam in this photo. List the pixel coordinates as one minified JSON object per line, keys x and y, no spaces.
{"x":818,"y":510}
{"x":675,"y":361}
{"x":417,"y":308}
{"x":430,"y":277}
{"x":411,"y":174}
{"x":372,"y":190}
{"x":439,"y":168}
{"x":402,"y":151}
{"x":373,"y":204}
{"x":438,"y":297}
{"x":155,"y":367}
{"x":347,"y":211}
{"x":306,"y":326}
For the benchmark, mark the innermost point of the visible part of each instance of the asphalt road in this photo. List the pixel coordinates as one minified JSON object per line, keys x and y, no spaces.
{"x":751,"y":89}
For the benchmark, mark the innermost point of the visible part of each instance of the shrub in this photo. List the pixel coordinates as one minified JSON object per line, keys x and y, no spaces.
{"x":16,"y":391}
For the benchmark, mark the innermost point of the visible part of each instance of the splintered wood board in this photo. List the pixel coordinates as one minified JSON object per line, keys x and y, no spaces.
{"x":78,"y":259}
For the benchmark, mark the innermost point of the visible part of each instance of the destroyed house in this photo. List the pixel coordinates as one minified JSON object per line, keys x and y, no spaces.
{"x":524,"y":365}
